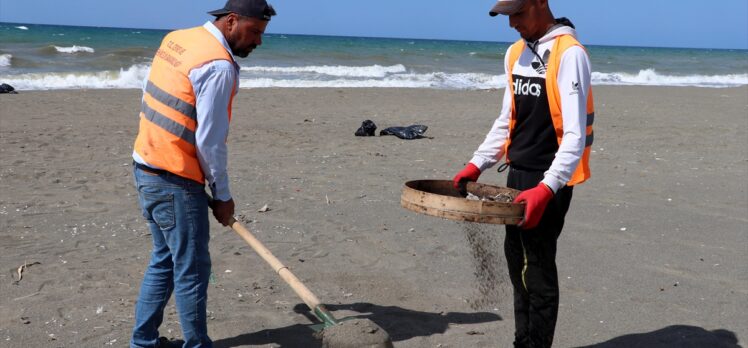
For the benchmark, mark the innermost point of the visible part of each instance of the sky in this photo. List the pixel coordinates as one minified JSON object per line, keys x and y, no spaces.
{"x":650,"y":23}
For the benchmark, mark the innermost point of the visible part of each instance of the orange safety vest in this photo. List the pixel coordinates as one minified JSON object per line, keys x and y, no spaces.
{"x":562,"y":43}
{"x":168,"y":117}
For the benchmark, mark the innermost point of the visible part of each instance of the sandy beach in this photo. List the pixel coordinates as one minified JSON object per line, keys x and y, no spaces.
{"x":653,"y":254}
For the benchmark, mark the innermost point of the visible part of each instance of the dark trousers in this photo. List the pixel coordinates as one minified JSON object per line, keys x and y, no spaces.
{"x":531,"y":258}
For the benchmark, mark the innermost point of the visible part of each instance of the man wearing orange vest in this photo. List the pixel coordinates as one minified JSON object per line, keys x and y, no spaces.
{"x":181,"y":145}
{"x":545,"y":131}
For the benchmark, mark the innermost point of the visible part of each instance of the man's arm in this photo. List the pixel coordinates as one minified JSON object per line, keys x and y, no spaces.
{"x":492,"y":148}
{"x":573,"y":85}
{"x":214,"y":84}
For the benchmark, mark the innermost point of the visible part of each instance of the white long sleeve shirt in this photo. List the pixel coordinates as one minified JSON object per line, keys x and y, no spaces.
{"x":213,"y":84}
{"x":573,"y":83}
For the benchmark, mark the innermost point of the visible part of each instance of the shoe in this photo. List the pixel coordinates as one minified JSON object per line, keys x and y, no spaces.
{"x":163,"y":342}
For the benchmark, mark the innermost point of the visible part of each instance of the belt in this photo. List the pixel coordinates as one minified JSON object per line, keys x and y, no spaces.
{"x":148,"y":169}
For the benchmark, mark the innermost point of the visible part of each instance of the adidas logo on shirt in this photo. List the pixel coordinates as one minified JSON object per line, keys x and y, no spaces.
{"x":522,"y":87}
{"x":574,"y":88}
{"x":539,"y":63}
{"x":539,"y":67}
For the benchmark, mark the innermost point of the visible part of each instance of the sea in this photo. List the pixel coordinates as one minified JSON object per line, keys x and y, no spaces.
{"x":48,"y":57}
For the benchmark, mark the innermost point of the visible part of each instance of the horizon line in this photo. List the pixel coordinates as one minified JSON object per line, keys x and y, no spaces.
{"x":385,"y":37}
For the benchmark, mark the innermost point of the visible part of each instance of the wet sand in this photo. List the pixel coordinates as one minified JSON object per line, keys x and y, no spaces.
{"x":653,"y":254}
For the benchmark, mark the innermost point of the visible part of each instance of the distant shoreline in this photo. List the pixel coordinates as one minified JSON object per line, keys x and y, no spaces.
{"x":390,"y":38}
{"x":37,"y":57}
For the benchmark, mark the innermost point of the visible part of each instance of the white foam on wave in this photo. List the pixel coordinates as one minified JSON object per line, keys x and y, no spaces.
{"x":22,"y":27}
{"x":398,"y":76}
{"x":339,"y":70}
{"x":649,"y":77}
{"x":438,"y":80}
{"x":131,"y":77}
{"x":395,"y":76}
{"x":362,"y":76}
{"x":441,"y":80}
{"x":5,"y":59}
{"x":74,"y":49}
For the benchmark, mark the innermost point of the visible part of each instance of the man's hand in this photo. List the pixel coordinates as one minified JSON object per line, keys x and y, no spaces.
{"x":470,"y":173}
{"x":223,"y":211}
{"x":536,"y":199}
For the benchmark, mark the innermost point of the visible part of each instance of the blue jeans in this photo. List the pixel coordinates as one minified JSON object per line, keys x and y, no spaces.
{"x":176,"y":210}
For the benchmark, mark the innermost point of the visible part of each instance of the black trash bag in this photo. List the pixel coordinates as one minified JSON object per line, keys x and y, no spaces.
{"x":410,"y":132}
{"x":367,"y":129}
{"x":6,"y":88}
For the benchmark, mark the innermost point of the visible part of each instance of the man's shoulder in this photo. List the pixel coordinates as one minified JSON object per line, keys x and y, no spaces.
{"x":182,"y":31}
{"x":222,"y":64}
{"x":575,"y":52}
{"x":218,"y":70}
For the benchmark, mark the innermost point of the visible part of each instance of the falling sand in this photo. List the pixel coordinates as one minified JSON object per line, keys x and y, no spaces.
{"x":489,"y":266}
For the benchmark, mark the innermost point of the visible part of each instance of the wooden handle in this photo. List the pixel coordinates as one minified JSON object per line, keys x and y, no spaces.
{"x":283,"y":271}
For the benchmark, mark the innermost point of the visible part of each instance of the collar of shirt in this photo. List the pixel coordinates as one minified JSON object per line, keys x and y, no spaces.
{"x":213,"y":30}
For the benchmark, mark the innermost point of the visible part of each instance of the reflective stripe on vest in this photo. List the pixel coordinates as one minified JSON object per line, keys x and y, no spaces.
{"x":167,"y":99}
{"x":167,"y":124}
{"x":168,"y":116}
{"x":562,"y":43}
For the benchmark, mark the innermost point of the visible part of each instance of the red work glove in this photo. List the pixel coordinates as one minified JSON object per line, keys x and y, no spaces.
{"x":470,"y":173}
{"x":536,"y":199}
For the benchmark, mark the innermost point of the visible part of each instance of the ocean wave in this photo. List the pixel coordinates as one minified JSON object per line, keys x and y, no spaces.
{"x":496,"y":56}
{"x":340,"y":71}
{"x":22,"y":27}
{"x":131,"y":77}
{"x":649,"y":77}
{"x":74,"y":49}
{"x":396,"y":76}
{"x":5,"y":60}
{"x":130,"y":52}
{"x":438,"y":80}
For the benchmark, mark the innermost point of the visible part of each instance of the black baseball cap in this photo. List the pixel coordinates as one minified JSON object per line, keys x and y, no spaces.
{"x":246,"y":8}
{"x":506,"y":7}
